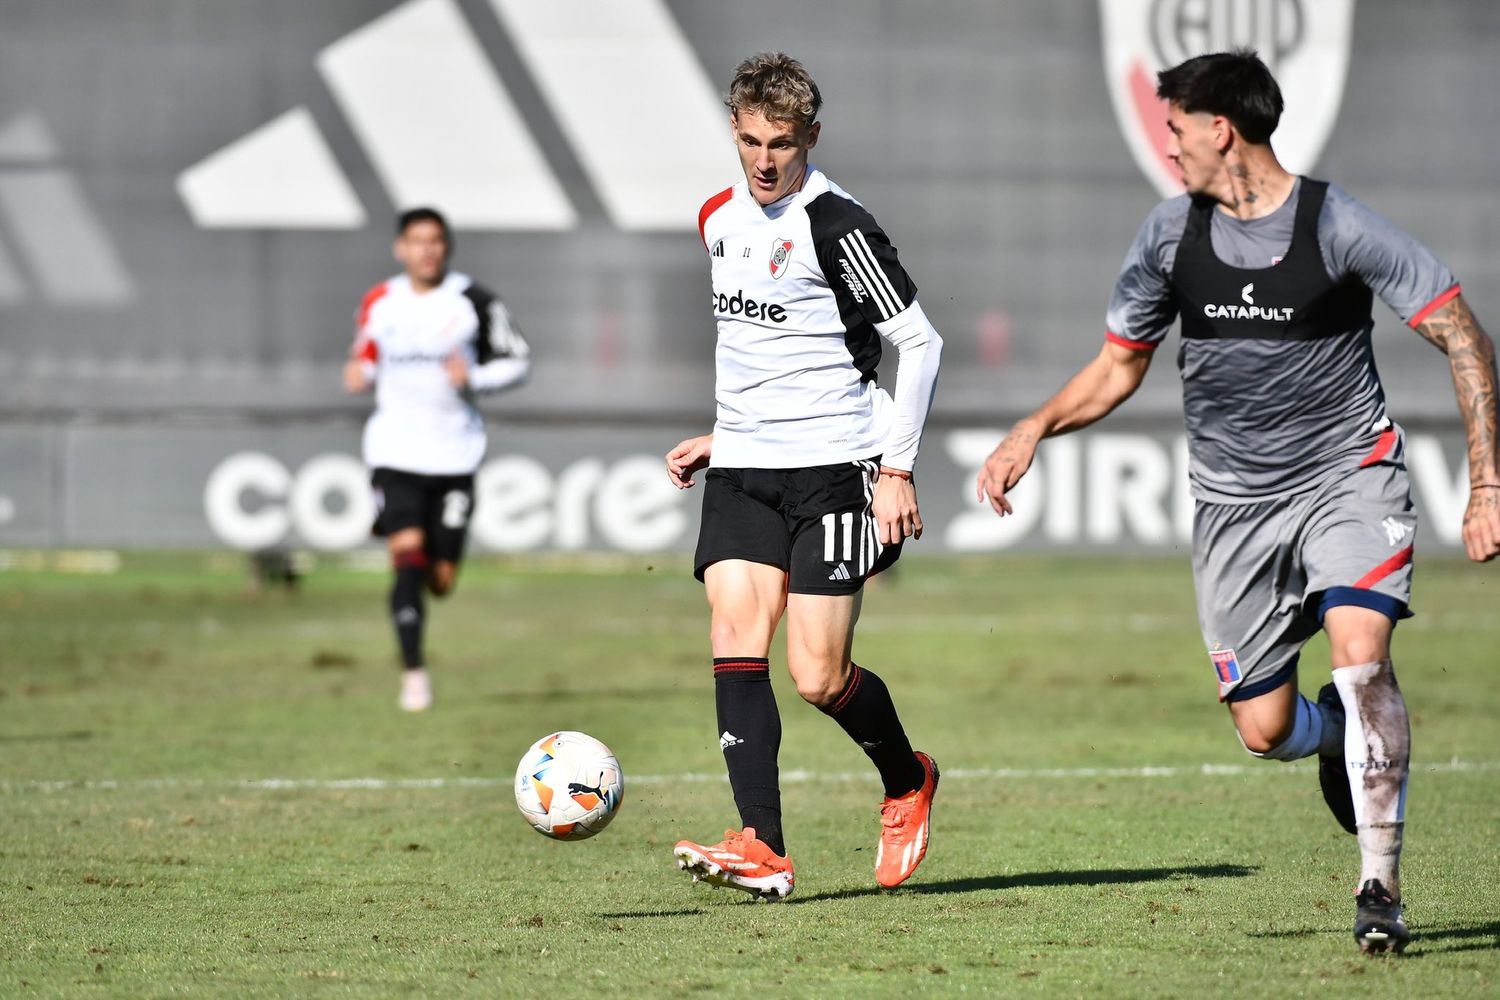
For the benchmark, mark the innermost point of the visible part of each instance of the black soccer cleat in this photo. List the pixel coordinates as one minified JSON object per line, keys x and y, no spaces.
{"x":1333,"y":772}
{"x":1378,"y":924}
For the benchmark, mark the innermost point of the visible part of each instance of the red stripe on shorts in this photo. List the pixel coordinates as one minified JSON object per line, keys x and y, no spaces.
{"x":1384,"y":570}
{"x":1382,"y":448}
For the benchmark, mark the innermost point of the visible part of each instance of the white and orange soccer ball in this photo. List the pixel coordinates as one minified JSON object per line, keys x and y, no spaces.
{"x":569,"y":786}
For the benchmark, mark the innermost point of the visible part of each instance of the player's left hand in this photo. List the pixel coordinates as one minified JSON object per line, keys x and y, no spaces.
{"x":895,"y":510}
{"x":1482,"y":523}
{"x":457,"y":367}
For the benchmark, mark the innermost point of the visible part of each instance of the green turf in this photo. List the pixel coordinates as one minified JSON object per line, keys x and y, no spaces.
{"x":137,"y":860}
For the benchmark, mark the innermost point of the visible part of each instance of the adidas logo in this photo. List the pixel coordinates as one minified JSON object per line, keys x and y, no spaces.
{"x":728,"y":739}
{"x":718,"y":250}
{"x":840,"y":572}
{"x":64,"y":247}
{"x":439,"y":126}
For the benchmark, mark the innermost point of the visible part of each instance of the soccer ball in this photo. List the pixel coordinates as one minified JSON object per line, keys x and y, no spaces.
{"x":569,"y":786}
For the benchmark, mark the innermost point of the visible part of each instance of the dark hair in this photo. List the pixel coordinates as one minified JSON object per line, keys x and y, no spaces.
{"x":412,"y":216}
{"x":1234,"y":84}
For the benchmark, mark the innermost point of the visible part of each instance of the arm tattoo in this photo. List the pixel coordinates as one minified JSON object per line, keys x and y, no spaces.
{"x":1481,"y":505}
{"x":1471,"y":355}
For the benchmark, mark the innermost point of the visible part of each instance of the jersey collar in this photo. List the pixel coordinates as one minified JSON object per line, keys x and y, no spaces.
{"x":811,"y":187}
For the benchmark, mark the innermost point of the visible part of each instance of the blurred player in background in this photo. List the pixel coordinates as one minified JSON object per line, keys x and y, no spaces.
{"x":427,"y":341}
{"x":1303,"y":511}
{"x":810,"y":489}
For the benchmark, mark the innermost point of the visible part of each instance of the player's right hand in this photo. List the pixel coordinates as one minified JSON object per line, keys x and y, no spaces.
{"x":687,"y":458}
{"x":1481,"y":532}
{"x":1005,"y":467}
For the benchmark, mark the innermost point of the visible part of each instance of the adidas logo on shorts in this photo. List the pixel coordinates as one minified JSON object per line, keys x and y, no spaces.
{"x":841,"y":572}
{"x":728,"y":739}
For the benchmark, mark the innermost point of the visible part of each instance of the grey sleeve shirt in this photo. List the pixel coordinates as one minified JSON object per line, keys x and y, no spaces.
{"x":1356,"y":240}
{"x":1266,"y":417}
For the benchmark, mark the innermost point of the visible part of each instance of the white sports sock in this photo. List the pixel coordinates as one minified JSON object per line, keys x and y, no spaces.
{"x":1377,"y":749}
{"x":1305,"y":737}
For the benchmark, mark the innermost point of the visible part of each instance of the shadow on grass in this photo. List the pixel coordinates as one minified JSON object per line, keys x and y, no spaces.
{"x":1440,"y":940}
{"x":1101,"y":876}
{"x":1046,"y":879}
{"x":1478,"y":937}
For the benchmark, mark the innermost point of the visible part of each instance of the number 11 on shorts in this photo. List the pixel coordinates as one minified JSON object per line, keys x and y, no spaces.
{"x":830,"y":537}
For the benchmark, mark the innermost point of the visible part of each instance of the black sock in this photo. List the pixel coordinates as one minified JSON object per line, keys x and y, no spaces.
{"x":750,"y":736}
{"x":865,"y":710}
{"x":407,"y":609}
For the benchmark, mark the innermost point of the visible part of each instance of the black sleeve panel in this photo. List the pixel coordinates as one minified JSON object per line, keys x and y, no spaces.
{"x":858,"y":260}
{"x":482,"y":299}
{"x":868,"y":282}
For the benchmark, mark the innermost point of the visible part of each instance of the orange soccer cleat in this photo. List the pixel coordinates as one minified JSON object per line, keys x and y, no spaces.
{"x":905,"y":824}
{"x":740,"y":861}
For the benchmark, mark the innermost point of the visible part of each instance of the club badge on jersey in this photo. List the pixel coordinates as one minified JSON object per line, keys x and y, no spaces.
{"x":781,"y":254}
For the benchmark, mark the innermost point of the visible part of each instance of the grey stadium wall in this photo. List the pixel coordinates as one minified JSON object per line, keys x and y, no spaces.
{"x":194,"y":194}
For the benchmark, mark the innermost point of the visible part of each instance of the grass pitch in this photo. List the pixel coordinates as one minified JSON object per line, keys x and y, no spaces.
{"x":177,"y":815}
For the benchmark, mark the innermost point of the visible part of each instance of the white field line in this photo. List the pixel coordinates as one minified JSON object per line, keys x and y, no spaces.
{"x":787,"y":777}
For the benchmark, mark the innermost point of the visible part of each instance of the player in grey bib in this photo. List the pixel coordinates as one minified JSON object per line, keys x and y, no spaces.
{"x":1303,"y":513}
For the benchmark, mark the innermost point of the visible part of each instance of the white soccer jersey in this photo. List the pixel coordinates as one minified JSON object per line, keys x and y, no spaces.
{"x":421,"y":423}
{"x":803,"y":290}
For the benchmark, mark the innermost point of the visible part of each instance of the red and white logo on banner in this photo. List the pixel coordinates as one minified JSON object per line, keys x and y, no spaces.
{"x":1304,"y":42}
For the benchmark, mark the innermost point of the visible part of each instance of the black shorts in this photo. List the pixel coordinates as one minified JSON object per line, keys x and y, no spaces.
{"x":439,"y":505}
{"x":814,"y":524}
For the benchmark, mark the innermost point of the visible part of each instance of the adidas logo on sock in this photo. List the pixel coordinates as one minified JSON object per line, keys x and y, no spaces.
{"x":728,"y":739}
{"x":841,"y":572}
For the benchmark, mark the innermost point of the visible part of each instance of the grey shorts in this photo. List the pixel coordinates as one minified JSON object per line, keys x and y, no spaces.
{"x":1267,"y":572}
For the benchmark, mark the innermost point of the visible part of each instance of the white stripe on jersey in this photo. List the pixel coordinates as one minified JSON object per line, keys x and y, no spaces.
{"x":862,"y":260}
{"x":868,"y":269}
{"x":880,"y":276}
{"x":853,"y":255}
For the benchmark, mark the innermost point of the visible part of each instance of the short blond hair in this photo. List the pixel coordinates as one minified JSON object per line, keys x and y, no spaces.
{"x":777,"y":87}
